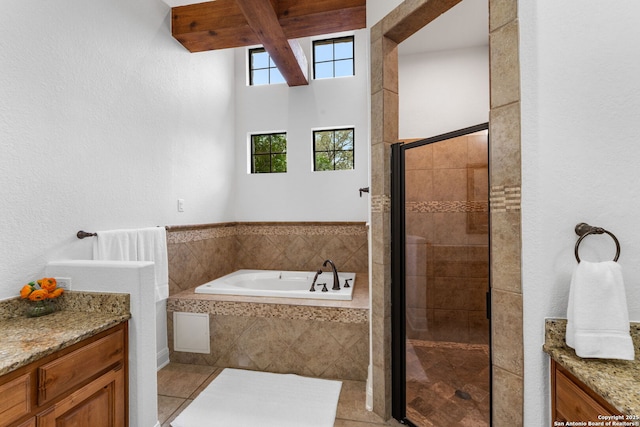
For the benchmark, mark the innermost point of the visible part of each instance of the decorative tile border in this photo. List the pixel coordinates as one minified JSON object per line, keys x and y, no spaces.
{"x":505,"y":198}
{"x":447,"y":206}
{"x":281,"y":311}
{"x":213,"y":231}
{"x":302,"y":230}
{"x":381,"y":203}
{"x":185,"y":236}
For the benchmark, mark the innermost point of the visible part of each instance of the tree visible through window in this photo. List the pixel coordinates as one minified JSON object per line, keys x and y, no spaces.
{"x":262,"y":70}
{"x":333,"y":149}
{"x":333,"y":58}
{"x":269,"y":153}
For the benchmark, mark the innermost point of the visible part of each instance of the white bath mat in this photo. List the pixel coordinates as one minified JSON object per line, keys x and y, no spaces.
{"x":242,"y":398}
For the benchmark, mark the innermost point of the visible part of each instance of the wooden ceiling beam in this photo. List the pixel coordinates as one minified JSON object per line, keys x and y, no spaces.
{"x":211,"y":25}
{"x":221,"y":24}
{"x":288,"y":56}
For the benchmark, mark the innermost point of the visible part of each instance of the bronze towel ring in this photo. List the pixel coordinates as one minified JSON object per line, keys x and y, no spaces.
{"x":584,"y":229}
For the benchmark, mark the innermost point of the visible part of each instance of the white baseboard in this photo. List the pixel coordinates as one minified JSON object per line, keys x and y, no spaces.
{"x":369,"y":395}
{"x":163,"y":358}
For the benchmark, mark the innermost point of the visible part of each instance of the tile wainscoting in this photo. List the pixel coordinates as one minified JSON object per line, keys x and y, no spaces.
{"x":198,"y":254}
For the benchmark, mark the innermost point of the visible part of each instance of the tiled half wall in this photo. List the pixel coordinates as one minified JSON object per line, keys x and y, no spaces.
{"x":272,"y":338}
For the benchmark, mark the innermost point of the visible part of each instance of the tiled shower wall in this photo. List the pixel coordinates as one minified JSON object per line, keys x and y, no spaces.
{"x":447,"y":209}
{"x":198,"y":254}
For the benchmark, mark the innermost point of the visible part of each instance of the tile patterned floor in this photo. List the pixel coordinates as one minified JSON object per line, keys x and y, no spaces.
{"x":179,"y":384}
{"x":447,"y":384}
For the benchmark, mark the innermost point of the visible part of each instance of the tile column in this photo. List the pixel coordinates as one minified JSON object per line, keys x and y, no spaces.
{"x":384,"y":132}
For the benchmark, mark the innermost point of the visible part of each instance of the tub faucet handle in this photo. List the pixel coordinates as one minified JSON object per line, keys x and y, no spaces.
{"x":346,"y":283}
{"x":324,"y":287}
{"x":313,"y":283}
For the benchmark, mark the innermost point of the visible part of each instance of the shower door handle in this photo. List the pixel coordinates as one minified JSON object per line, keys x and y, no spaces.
{"x":488,"y":298}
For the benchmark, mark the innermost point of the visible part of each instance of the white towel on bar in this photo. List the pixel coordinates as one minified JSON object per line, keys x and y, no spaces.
{"x":597,"y":314}
{"x":116,"y":245}
{"x":152,"y":246}
{"x":145,"y":244}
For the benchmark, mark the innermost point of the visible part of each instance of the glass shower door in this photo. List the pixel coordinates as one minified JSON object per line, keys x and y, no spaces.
{"x":442,"y":337}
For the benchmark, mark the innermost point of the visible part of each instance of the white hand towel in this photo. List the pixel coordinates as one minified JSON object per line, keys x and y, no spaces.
{"x":145,"y":244}
{"x":152,"y":246}
{"x":597,"y":314}
{"x":116,"y":245}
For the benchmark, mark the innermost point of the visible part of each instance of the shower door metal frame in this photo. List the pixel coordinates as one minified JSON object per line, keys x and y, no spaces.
{"x":398,"y":270}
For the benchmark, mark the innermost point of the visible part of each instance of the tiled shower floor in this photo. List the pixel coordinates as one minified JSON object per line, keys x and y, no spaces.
{"x":435,"y":372}
{"x":179,"y":384}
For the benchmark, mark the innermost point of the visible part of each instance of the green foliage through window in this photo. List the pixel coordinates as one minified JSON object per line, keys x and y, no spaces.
{"x":333,"y":58}
{"x":333,"y":149}
{"x":269,"y":153}
{"x":262,"y":70}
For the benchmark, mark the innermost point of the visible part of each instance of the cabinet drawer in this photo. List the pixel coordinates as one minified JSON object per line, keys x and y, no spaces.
{"x":70,"y":370}
{"x":15,"y":399}
{"x":573,"y":403}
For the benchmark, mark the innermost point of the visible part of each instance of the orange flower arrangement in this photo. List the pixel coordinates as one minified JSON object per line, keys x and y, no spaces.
{"x":48,"y":290}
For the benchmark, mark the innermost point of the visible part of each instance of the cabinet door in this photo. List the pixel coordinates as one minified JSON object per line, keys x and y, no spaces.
{"x":572,"y":400}
{"x":98,"y":404}
{"x":15,"y":399}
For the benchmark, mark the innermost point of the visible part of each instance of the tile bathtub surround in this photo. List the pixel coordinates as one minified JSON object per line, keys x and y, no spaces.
{"x":326,"y":339}
{"x":319,"y":338}
{"x":615,"y":380}
{"x":198,"y":254}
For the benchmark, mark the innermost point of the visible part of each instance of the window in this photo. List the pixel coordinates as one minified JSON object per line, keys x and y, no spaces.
{"x":333,"y":58}
{"x":269,"y":153}
{"x":333,"y":149}
{"x":262,"y":70}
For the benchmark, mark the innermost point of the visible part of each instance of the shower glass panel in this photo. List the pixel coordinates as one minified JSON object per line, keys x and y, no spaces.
{"x":446,"y":279}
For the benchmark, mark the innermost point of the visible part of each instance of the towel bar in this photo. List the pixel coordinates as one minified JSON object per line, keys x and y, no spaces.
{"x":82,"y":234}
{"x":583,"y":230}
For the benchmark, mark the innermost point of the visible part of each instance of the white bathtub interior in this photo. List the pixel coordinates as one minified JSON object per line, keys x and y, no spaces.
{"x":285,"y":284}
{"x":138,"y":280}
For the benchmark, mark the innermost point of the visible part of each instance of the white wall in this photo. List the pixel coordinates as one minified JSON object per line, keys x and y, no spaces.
{"x":443,"y":91}
{"x":105,"y":121}
{"x":301,"y":194}
{"x":580,"y":110}
{"x":378,"y":9}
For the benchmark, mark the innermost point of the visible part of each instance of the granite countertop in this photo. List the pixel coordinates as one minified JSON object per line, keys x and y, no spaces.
{"x":81,"y":315}
{"x":617,"y":381}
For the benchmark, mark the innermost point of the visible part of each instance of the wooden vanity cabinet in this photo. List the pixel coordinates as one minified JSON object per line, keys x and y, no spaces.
{"x":572,"y":400}
{"x":83,"y":385}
